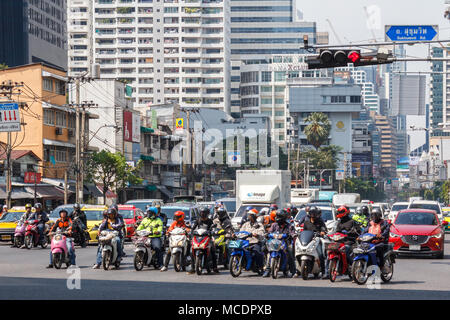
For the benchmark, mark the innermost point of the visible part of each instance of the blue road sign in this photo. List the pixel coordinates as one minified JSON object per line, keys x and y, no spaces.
{"x":9,"y":117}
{"x":411,"y":33}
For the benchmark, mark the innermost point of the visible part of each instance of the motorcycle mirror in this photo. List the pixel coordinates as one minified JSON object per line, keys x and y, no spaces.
{"x":445,"y":223}
{"x":139,"y":217}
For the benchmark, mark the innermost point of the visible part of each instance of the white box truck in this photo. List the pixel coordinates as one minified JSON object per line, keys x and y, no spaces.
{"x":259,"y":189}
{"x":303,"y":196}
{"x":340,"y":199}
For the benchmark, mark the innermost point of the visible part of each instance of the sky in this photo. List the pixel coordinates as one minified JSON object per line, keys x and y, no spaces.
{"x":349,"y":19}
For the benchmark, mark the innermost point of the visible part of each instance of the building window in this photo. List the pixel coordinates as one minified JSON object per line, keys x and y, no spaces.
{"x":266,"y":100}
{"x":49,"y":118}
{"x":280,"y":76}
{"x":16,"y":169}
{"x":266,"y":76}
{"x":355,"y":99}
{"x":60,"y":119}
{"x":48,"y":84}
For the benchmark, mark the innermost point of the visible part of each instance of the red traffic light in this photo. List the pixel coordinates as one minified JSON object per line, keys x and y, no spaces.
{"x":354,"y":56}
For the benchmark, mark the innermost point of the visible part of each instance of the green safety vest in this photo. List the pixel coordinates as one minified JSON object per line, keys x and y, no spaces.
{"x":152,"y":225}
{"x":360,"y":219}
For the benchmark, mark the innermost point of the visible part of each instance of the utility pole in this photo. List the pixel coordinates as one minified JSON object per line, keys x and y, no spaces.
{"x":189,"y":152}
{"x":77,"y":146}
{"x":298,"y":156}
{"x":345,"y":168}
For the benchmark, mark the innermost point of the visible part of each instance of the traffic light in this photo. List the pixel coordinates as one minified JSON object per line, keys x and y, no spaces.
{"x":328,"y":58}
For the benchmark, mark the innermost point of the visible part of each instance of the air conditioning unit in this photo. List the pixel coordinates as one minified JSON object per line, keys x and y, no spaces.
{"x":58,"y":131}
{"x":71,"y":132}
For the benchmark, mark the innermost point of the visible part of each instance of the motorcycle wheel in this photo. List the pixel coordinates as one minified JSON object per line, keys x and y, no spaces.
{"x":177,"y":262}
{"x":117,"y":264}
{"x":139,"y":261}
{"x":304,"y":269}
{"x":57,"y":260}
{"x":17,"y":242}
{"x":333,"y":270}
{"x":357,"y":272}
{"x":235,"y":266}
{"x":275,"y":267}
{"x":106,"y":259}
{"x":44,"y":243}
{"x":198,"y":264}
{"x":386,"y":277}
{"x":29,"y":241}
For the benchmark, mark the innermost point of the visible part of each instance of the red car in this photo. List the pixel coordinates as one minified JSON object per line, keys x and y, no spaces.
{"x":418,"y":232}
{"x":130,"y":214}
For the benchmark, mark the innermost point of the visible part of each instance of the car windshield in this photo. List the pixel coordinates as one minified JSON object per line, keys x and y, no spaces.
{"x":169,"y":212}
{"x":127,"y":214}
{"x":230,"y":205}
{"x":140,"y":205}
{"x":241,"y":211}
{"x":327,"y":214}
{"x":11,"y":216}
{"x":428,"y":206}
{"x":416,"y":218}
{"x":93,"y":215}
{"x":55,"y":213}
{"x":398,"y":207}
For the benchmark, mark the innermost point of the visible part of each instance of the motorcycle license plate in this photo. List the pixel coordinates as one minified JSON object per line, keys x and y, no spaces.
{"x":6,"y":237}
{"x":414,"y":247}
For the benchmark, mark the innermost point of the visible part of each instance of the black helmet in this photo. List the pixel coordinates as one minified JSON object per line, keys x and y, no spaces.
{"x":204,"y":212}
{"x":280,"y":216}
{"x":378,"y":210}
{"x":113,"y":211}
{"x":365,"y":210}
{"x":375,"y":216}
{"x":76,"y":206}
{"x":63,"y":210}
{"x":222,"y":213}
{"x":315,"y":212}
{"x":115,"y":207}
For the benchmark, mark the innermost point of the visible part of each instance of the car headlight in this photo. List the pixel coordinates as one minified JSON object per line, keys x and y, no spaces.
{"x":394,"y":235}
{"x":437,"y":235}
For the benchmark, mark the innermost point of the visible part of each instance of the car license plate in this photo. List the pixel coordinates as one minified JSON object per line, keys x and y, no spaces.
{"x":414,"y":247}
{"x":6,"y":237}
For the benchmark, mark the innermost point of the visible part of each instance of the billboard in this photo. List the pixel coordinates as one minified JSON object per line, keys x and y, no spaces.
{"x":131,"y":126}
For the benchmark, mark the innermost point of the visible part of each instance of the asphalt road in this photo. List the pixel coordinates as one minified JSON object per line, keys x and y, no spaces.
{"x":23,"y":276}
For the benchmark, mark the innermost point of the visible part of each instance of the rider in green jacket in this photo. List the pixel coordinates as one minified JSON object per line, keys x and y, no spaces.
{"x":155,"y":226}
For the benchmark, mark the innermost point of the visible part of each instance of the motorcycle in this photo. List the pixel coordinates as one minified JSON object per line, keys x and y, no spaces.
{"x":60,"y":252}
{"x":80,"y":235}
{"x":201,"y":250}
{"x":144,"y":254}
{"x":276,"y":245}
{"x":307,"y":254}
{"x":365,"y":256}
{"x":337,"y":256}
{"x":178,"y":248}
{"x":109,"y":248}
{"x":220,"y":242}
{"x":19,"y":234}
{"x":32,"y":235}
{"x":242,"y":256}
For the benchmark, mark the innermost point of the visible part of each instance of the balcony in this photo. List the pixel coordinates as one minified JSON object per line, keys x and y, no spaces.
{"x":77,"y":28}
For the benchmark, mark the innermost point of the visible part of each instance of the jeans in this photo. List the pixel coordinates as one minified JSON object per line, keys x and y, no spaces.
{"x":157,"y":246}
{"x":323,"y":263}
{"x":259,"y":258}
{"x":119,"y":251}
{"x":291,"y":258}
{"x":41,"y":227}
{"x":70,"y":250}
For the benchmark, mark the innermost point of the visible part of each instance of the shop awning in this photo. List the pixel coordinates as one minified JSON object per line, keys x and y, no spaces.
{"x":16,"y":193}
{"x":147,"y":130}
{"x":92,"y":190}
{"x":57,"y":143}
{"x":46,"y":192}
{"x":166,"y":191}
{"x":147,"y":158}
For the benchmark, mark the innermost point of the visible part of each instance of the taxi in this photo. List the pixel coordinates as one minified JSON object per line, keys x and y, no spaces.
{"x":8,"y":223}
{"x":130,"y":215}
{"x":446,"y":213}
{"x":94,"y":217}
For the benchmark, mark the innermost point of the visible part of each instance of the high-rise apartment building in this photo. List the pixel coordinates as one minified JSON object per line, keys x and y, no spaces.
{"x":33,"y":31}
{"x":170,"y":51}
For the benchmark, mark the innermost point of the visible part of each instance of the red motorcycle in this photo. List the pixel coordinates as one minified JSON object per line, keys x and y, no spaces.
{"x":201,"y":250}
{"x":337,"y":256}
{"x":32,"y":235}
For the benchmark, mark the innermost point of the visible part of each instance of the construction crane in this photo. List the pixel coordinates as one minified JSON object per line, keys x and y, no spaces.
{"x":334,"y":31}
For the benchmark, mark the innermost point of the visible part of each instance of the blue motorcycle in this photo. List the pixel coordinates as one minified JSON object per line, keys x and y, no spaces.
{"x":366,"y":256}
{"x":276,"y":245}
{"x":242,"y":256}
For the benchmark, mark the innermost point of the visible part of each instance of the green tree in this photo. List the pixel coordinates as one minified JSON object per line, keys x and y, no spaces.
{"x":318,"y":129}
{"x":112,"y":171}
{"x":365,"y":188}
{"x":428,"y":195}
{"x":3,"y":66}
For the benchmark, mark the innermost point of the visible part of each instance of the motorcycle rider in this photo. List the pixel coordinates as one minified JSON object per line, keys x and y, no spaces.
{"x":154,"y":225}
{"x":83,"y":226}
{"x":314,"y":222}
{"x":245,"y":216}
{"x":178,"y":222}
{"x":64,"y":223}
{"x":204,"y":222}
{"x":24,"y":218}
{"x":257,"y":231}
{"x":113,"y":221}
{"x":223,"y":221}
{"x":5,"y":210}
{"x":42,"y":218}
{"x":282,"y":226}
{"x":361,"y":215}
{"x":348,"y":226}
{"x":380,"y":228}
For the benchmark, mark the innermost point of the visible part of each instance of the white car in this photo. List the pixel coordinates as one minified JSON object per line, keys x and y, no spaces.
{"x":396,"y":207}
{"x":430,"y":205}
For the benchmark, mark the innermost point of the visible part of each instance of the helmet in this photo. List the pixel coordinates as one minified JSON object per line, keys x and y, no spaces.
{"x":28,"y":205}
{"x":112,"y":211}
{"x":375,"y":216}
{"x":342,"y":212}
{"x":63,"y":210}
{"x":359,"y":211}
{"x":115,"y":207}
{"x":315,"y":212}
{"x":280,"y":216}
{"x":249,"y":208}
{"x":151,"y":212}
{"x":365,"y":210}
{"x":179,"y":215}
{"x":38,"y":206}
{"x":273,"y":207}
{"x":264,"y":211}
{"x":273,"y":215}
{"x":76,"y":206}
{"x":253,"y":212}
{"x":222,"y":213}
{"x":204,"y":212}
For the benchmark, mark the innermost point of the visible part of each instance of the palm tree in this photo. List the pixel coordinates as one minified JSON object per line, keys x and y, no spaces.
{"x":318,"y":129}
